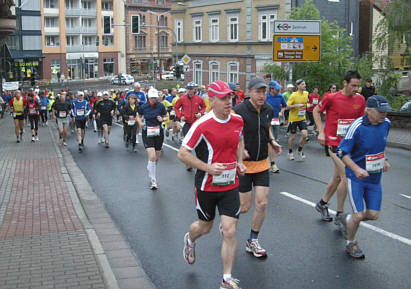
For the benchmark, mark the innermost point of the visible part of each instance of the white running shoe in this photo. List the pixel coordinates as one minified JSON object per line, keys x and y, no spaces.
{"x":189,"y":252}
{"x":153,"y":185}
{"x":300,"y":157}
{"x":255,"y":248}
{"x":290,"y":156}
{"x":37,"y":138}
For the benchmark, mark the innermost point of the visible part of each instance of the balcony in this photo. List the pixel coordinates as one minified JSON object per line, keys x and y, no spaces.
{"x":52,"y":30}
{"x":81,"y":48}
{"x":81,"y":12}
{"x":8,"y":25}
{"x":81,"y":30}
{"x":51,"y":11}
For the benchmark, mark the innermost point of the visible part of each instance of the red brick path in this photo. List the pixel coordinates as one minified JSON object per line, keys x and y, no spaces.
{"x":40,"y":202}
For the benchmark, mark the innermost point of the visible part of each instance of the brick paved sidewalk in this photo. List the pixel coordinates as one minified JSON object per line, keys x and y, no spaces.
{"x":43,"y":243}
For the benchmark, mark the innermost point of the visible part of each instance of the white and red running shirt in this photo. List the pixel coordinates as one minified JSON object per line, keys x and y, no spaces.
{"x":216,"y":141}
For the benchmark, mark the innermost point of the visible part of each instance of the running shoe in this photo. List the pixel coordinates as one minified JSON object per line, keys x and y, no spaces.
{"x":137,"y":141}
{"x":18,"y":140}
{"x":134,"y":149}
{"x":230,"y":284}
{"x":323,"y":210}
{"x":275,"y":169}
{"x":37,"y":138}
{"x":341,"y":223}
{"x":126,"y":144}
{"x":189,"y":252}
{"x":354,"y":251}
{"x":153,"y":185}
{"x":290,"y":156}
{"x":80,"y":149}
{"x":33,"y":139}
{"x":64,"y":143}
{"x":107,"y":145}
{"x":300,"y":157}
{"x":255,"y":248}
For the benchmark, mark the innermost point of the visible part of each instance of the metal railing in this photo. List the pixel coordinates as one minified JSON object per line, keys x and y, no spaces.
{"x":81,"y":12}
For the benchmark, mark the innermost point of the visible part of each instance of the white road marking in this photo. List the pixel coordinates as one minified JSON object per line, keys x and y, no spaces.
{"x":368,"y":226}
{"x":405,"y":196}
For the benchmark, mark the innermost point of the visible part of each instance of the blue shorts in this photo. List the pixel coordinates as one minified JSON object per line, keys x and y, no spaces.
{"x":364,"y":196}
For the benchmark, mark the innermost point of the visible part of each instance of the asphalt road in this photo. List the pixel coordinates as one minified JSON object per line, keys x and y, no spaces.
{"x":304,"y":252}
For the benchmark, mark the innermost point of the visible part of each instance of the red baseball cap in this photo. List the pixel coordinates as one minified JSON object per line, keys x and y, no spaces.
{"x":218,"y":88}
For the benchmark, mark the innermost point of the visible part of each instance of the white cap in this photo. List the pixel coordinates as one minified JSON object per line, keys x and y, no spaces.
{"x":152,"y":93}
{"x":290,"y":86}
{"x":137,"y":84}
{"x":105,"y":92}
{"x":99,"y":94}
{"x":85,"y":91}
{"x":80,"y":93}
{"x":182,"y":90}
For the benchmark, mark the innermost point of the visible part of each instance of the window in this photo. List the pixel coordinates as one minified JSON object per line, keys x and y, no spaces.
{"x":140,"y":41}
{"x":86,"y":5}
{"x":108,"y":64}
{"x":214,"y":29}
{"x":178,"y":26}
{"x":232,"y":72}
{"x":107,"y":22}
{"x":87,"y":22}
{"x":108,"y":40}
{"x":214,"y":67}
{"x":232,"y":28}
{"x":107,"y":6}
{"x":71,"y":40}
{"x":50,"y":22}
{"x":70,"y":4}
{"x":71,"y":22}
{"x":197,"y":30}
{"x":163,"y":40}
{"x":52,"y":41}
{"x":266,"y":25}
{"x":89,"y":41}
{"x":160,"y":2}
{"x":163,"y":21}
{"x":13,"y":42}
{"x":50,"y":4}
{"x":32,"y":42}
{"x":198,"y":72}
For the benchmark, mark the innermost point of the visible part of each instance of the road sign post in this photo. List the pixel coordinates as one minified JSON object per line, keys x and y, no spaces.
{"x":297,"y":41}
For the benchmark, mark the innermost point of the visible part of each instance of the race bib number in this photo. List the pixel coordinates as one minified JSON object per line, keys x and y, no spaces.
{"x":131,"y":120}
{"x":62,"y":114}
{"x":301,"y":111}
{"x":375,"y":163}
{"x":275,"y":121}
{"x":343,"y":125}
{"x":228,"y":175}
{"x":80,"y":112}
{"x":43,"y":108}
{"x":32,"y":111}
{"x":315,"y":101}
{"x":153,"y":131}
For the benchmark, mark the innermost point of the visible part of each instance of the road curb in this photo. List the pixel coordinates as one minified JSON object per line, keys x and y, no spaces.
{"x":399,"y":145}
{"x":83,"y":198}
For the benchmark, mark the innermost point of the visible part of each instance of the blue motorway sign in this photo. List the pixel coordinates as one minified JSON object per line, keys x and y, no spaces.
{"x":290,"y":39}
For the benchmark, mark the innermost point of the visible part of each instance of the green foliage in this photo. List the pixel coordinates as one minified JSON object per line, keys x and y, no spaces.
{"x":336,"y":51}
{"x":276,"y":72}
{"x":364,"y":65}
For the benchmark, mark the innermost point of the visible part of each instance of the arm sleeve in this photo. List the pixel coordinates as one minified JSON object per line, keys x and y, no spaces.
{"x":177,"y":108}
{"x":88,"y":108}
{"x":203,"y":106}
{"x":347,"y":144}
{"x":325,"y":103}
{"x":291,"y":99}
{"x":192,"y":139}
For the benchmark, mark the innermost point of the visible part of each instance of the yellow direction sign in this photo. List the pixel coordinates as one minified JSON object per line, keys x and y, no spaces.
{"x":296,"y":48}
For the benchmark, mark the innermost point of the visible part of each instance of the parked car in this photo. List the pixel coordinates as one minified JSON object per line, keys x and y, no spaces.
{"x":124,"y":79}
{"x":406,"y":107}
{"x":167,"y":75}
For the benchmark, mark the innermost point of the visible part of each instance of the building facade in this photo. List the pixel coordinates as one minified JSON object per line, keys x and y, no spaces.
{"x":345,"y":13}
{"x":25,"y":43}
{"x":227,"y":40}
{"x":80,"y":40}
{"x":150,"y":50}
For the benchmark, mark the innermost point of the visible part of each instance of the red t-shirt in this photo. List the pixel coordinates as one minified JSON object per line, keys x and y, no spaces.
{"x":32,"y":107}
{"x":313,"y":99}
{"x":216,"y":141}
{"x":341,"y":110}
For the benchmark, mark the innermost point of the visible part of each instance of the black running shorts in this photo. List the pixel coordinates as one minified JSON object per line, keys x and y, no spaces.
{"x":227,"y":202}
{"x":153,"y":142}
{"x":247,"y":181}
{"x":81,"y":123}
{"x":107,"y":121}
{"x":19,"y":117}
{"x":302,"y":125}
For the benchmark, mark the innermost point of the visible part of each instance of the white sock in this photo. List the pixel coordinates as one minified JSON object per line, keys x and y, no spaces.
{"x":95,"y":124}
{"x":151,"y":167}
{"x":348,"y":242}
{"x":348,"y":217}
{"x":226,"y":277}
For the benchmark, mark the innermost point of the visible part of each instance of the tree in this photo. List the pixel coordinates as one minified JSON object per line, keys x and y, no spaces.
{"x":276,"y":71}
{"x":336,"y":51}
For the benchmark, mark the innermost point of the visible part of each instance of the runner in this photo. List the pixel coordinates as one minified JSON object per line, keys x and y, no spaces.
{"x":286,"y":95}
{"x":129,"y":115}
{"x":154,"y":114}
{"x":33,"y":112}
{"x":189,"y":108}
{"x":17,"y":106}
{"x":257,"y":116}
{"x":297,"y":104}
{"x":218,"y":159}
{"x":362,"y":151}
{"x":341,"y":109}
{"x":93,"y":99}
{"x":277,"y":102}
{"x":141,"y":99}
{"x":313,"y":99}
{"x":44,"y":104}
{"x":80,"y":110}
{"x":105,"y":109}
{"x":99,"y":124}
{"x":61,"y":111}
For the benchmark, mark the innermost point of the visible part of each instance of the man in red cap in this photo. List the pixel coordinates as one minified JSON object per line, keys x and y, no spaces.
{"x":218,"y":160}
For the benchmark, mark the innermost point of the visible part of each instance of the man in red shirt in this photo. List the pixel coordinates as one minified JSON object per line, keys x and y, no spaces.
{"x":341,"y":108}
{"x":218,"y":159}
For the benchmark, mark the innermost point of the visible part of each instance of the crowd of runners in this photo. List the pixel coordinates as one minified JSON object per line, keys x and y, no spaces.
{"x":231,"y":138}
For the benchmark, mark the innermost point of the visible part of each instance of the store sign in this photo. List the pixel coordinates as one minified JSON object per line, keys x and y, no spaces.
{"x":11,"y":85}
{"x":297,"y":41}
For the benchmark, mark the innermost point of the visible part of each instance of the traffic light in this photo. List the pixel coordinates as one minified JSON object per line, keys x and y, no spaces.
{"x":178,"y":70}
{"x":135,"y":24}
{"x":106,"y":24}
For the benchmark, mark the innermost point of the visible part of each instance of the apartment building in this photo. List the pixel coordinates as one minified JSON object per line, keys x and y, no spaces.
{"x":80,"y":40}
{"x":228,"y":40}
{"x":25,"y":43}
{"x":150,"y":50}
